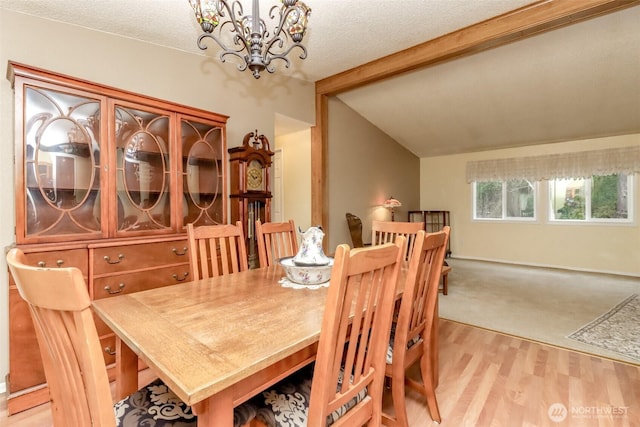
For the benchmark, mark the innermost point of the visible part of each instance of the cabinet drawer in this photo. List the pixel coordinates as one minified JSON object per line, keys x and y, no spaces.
{"x":127,"y":283}
{"x":107,"y":260}
{"x":69,"y":258}
{"x":108,"y":346}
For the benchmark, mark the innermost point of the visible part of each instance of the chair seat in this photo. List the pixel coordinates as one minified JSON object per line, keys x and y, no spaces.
{"x":156,"y":405}
{"x":286,"y":404}
{"x":410,"y":343}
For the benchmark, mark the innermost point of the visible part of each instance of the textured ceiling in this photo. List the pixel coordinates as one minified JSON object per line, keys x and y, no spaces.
{"x":578,"y":82}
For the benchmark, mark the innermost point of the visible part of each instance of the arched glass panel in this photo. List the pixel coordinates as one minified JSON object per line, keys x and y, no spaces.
{"x":202,"y":171}
{"x":62,"y":164}
{"x":143,"y":167}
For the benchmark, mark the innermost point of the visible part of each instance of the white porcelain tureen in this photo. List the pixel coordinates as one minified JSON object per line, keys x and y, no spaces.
{"x":310,"y":265}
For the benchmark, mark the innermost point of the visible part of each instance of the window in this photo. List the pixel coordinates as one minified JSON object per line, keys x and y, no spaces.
{"x":596,"y":199}
{"x":511,"y":200}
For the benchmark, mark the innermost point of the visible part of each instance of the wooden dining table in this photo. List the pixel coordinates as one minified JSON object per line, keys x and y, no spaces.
{"x":215,"y":342}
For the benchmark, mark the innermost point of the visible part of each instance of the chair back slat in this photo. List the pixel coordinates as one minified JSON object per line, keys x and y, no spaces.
{"x":216,"y":250}
{"x":355,"y":333}
{"x":387,"y":231}
{"x":74,"y":367}
{"x":276,"y":240}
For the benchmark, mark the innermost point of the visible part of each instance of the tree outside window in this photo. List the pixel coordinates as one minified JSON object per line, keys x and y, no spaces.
{"x":514,"y":199}
{"x":599,"y":198}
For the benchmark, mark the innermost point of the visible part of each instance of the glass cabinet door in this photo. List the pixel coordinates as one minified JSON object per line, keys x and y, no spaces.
{"x":61,"y":164}
{"x":142,"y":170}
{"x":94,"y":163}
{"x":202,"y":172}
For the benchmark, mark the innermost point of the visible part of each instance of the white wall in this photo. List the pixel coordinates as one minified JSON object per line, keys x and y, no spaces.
{"x":177,"y":76}
{"x":589,"y":247}
{"x":296,"y":172}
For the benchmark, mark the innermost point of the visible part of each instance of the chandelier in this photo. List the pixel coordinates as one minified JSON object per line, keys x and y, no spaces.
{"x":248,"y":36}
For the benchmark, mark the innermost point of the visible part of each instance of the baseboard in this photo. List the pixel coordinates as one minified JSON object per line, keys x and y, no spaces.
{"x":556,"y":267}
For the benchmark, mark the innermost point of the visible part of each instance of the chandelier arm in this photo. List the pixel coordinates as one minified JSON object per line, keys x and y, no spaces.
{"x":281,"y":55}
{"x":271,"y":68}
{"x":225,"y":51}
{"x":243,"y":63}
{"x":283,"y":17}
{"x":234,"y":17}
{"x":202,"y":46}
{"x":268,"y":44}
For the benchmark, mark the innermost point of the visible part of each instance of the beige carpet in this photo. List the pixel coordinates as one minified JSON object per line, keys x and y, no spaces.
{"x":540,"y":304}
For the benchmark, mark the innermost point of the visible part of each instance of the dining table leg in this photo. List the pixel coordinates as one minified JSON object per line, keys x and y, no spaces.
{"x":216,"y":411}
{"x":126,"y":370}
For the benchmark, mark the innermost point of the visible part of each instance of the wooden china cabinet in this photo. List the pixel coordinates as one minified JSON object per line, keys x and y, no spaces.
{"x":106,"y":181}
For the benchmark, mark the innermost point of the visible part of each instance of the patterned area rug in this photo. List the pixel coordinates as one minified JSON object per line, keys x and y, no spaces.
{"x":617,"y":330}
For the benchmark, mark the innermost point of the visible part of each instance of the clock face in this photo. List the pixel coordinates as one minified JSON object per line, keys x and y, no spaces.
{"x":254,"y":176}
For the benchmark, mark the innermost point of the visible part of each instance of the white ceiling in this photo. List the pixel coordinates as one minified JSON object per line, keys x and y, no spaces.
{"x":578,"y":82}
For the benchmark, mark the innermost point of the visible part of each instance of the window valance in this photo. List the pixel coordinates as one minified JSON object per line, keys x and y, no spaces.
{"x":557,"y":166}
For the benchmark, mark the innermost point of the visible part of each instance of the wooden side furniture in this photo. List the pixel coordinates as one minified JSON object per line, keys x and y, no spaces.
{"x":411,"y":337}
{"x":355,"y":229}
{"x":72,"y":357}
{"x":346,"y":385}
{"x":250,"y":182}
{"x":106,"y":181}
{"x":388,"y":231}
{"x":433,"y":221}
{"x":276,"y":240}
{"x":215,"y":250}
{"x":446,"y":269}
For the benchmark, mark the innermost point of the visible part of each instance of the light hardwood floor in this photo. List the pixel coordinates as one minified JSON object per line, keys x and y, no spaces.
{"x":490,"y":379}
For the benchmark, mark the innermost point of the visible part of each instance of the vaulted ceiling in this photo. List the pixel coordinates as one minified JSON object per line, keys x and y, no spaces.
{"x":577,"y":82}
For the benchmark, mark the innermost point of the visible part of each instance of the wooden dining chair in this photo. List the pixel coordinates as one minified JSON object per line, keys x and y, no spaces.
{"x":215,"y":250}
{"x":355,"y":229}
{"x":344,"y":386}
{"x":275,"y":240}
{"x":74,"y":367}
{"x":387,"y":231}
{"x":411,"y":333}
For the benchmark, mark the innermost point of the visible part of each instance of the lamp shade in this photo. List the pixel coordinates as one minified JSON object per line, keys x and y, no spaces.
{"x":391,"y":203}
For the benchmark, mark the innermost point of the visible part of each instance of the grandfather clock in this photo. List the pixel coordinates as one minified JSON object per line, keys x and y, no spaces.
{"x":250,"y":195}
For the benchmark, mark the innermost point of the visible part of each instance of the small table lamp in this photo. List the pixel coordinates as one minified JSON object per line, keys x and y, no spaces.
{"x":391,"y":203}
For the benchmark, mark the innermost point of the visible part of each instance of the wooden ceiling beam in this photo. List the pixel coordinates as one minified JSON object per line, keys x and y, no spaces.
{"x":506,"y":28}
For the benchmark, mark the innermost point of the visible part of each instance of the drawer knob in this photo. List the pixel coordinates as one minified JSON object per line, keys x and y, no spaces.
{"x":116,"y":291}
{"x":43,"y":264}
{"x":109,"y":351}
{"x":184,"y":251}
{"x":108,"y":259}
{"x":183,"y":278}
